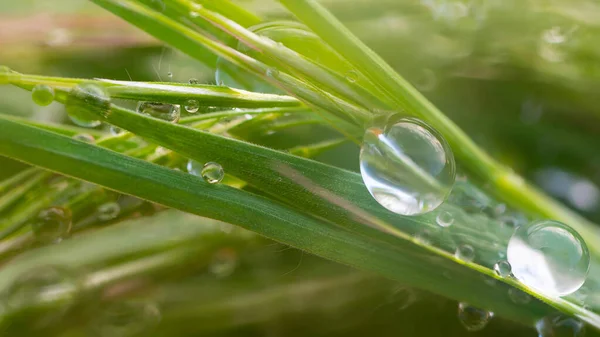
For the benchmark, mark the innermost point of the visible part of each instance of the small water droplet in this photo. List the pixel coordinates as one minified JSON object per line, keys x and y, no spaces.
{"x":164,"y":111}
{"x":352,"y":76}
{"x":465,"y":252}
{"x":518,"y":297}
{"x":108,"y":211}
{"x":407,"y":167}
{"x":42,"y":94}
{"x":84,"y":137}
{"x":472,"y":318}
{"x":193,"y":81}
{"x":125,"y":318}
{"x":549,"y":256}
{"x":402,"y":297}
{"x":224,"y":262}
{"x":85,"y":102}
{"x":192,"y":106}
{"x":43,"y":284}
{"x":212,"y":173}
{"x":445,"y":219}
{"x":559,"y":325}
{"x":52,"y":224}
{"x":272,"y":72}
{"x":502,"y":268}
{"x":115,"y":130}
{"x":427,"y":81}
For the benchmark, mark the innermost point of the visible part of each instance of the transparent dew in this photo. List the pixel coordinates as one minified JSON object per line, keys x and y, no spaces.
{"x":194,"y":168}
{"x":224,"y":262}
{"x":518,"y":297}
{"x":212,"y":173}
{"x":126,"y":318}
{"x":86,"y":102}
{"x":164,"y":111}
{"x":559,"y":325}
{"x":407,"y":167}
{"x":191,"y":106}
{"x":549,"y":256}
{"x":502,"y":268}
{"x":352,"y":76}
{"x":84,"y":137}
{"x":42,"y":94}
{"x":115,"y":130}
{"x":445,"y":219}
{"x":472,"y":318}
{"x":41,"y":286}
{"x":52,"y":225}
{"x":108,"y":211}
{"x":465,"y":252}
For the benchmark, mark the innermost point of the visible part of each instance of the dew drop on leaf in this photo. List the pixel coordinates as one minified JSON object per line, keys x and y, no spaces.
{"x":85,"y":102}
{"x":84,"y":137}
{"x":465,"y":252}
{"x":549,"y":256}
{"x":502,"y":268}
{"x":194,"y":168}
{"x":518,"y":297}
{"x":42,"y":94}
{"x":115,"y":130}
{"x":191,"y":106}
{"x":212,"y":173}
{"x":472,"y":318}
{"x":407,"y":167}
{"x":559,"y":325}
{"x":52,"y":225}
{"x":108,"y":211}
{"x":165,"y":111}
{"x":445,"y":219}
{"x":351,"y":76}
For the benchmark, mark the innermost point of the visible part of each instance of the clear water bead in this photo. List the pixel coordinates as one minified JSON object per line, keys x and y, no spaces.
{"x":52,"y":224}
{"x":502,"y":268}
{"x":465,"y":252}
{"x":165,"y":111}
{"x":407,"y":167}
{"x":549,"y":256}
{"x":192,"y":106}
{"x":194,"y":168}
{"x":84,"y":137}
{"x":212,"y":173}
{"x":472,"y":318}
{"x":86,"y":102}
{"x":42,"y":94}
{"x":559,"y":325}
{"x":445,"y":219}
{"x":108,"y":211}
{"x":351,"y":76}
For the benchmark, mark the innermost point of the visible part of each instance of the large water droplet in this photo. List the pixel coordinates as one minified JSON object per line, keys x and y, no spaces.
{"x":502,"y":268}
{"x":42,"y":94}
{"x":164,"y":111}
{"x":40,"y":286}
{"x":549,"y":256}
{"x":465,"y":252}
{"x":407,"y":167}
{"x":212,"y":173}
{"x":52,"y":225}
{"x":108,"y":211}
{"x":124,"y":319}
{"x":195,"y":168}
{"x":192,"y":106}
{"x":558,"y":325}
{"x":472,"y":318}
{"x":85,"y":102}
{"x":445,"y":219}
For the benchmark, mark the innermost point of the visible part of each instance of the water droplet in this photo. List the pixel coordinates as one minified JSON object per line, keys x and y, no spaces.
{"x":164,"y":111}
{"x":502,"y":268}
{"x":52,"y":224}
{"x":42,"y":94}
{"x":272,"y":72}
{"x":115,"y":130}
{"x":402,"y":297}
{"x":549,"y":256}
{"x":108,"y":211}
{"x":212,"y":173}
{"x":465,"y":252}
{"x":472,"y":318}
{"x":191,"y":106}
{"x":224,"y":262}
{"x":558,"y":325}
{"x":85,"y":102}
{"x":126,"y":318}
{"x":193,"y":81}
{"x":194,"y":168}
{"x":43,"y":284}
{"x":352,"y":76}
{"x":84,"y":137}
{"x":518,"y":297}
{"x":445,"y":219}
{"x":427,"y":81}
{"x":408,"y":167}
